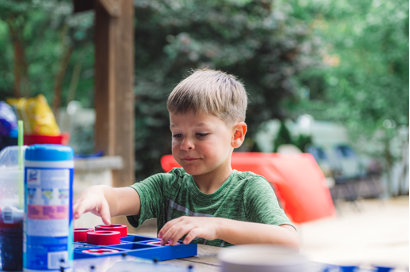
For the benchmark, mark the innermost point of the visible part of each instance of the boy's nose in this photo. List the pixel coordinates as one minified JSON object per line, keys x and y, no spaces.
{"x":187,"y":144}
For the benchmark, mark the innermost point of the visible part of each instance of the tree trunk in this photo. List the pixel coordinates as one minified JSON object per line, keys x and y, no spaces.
{"x":58,"y":89}
{"x":20,"y":66}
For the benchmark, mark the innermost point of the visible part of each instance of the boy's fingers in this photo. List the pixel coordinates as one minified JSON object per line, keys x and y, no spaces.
{"x":164,"y":229}
{"x":78,"y":211}
{"x":175,"y":235}
{"x":105,"y":213}
{"x":106,"y":221}
{"x":166,"y":236}
{"x":77,"y":214}
{"x":189,"y":237}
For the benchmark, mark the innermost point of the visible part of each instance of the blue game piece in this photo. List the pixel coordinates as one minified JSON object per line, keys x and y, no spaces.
{"x":378,"y":268}
{"x":348,"y":268}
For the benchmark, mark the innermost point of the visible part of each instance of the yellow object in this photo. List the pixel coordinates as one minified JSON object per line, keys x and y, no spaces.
{"x":36,"y":114}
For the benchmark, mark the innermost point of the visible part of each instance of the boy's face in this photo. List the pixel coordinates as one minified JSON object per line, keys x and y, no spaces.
{"x":201,"y":143}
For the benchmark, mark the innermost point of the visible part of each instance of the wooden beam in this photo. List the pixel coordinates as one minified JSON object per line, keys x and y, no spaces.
{"x":112,"y":7}
{"x":114,"y":99}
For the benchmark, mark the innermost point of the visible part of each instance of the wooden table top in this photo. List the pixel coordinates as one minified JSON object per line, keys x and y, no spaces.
{"x":205,"y":261}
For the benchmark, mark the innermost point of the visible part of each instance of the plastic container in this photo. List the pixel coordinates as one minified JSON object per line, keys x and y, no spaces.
{"x":11,"y":215}
{"x":48,"y":187}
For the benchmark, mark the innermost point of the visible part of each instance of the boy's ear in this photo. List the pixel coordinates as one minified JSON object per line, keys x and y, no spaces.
{"x":239,"y":131}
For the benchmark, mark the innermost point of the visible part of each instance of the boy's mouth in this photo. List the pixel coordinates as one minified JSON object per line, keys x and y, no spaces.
{"x":189,"y":159}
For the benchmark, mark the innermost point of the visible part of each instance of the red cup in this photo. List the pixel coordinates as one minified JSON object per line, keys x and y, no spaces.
{"x":114,"y":227}
{"x":80,"y":234}
{"x":102,"y":237}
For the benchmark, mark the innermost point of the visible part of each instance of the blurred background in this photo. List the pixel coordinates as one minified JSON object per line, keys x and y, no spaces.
{"x":329,"y":78}
{"x":325,"y":77}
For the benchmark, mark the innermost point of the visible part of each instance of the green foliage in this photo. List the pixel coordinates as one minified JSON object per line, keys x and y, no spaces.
{"x":6,"y":60}
{"x":366,"y":79}
{"x":47,"y":29}
{"x":283,"y":137}
{"x":303,"y":141}
{"x":365,"y":85}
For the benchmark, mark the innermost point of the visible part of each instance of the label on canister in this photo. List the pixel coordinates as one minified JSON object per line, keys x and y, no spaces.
{"x":48,"y":232}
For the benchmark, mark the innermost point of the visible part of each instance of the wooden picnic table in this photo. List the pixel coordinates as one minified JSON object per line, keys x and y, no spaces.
{"x":205,"y":261}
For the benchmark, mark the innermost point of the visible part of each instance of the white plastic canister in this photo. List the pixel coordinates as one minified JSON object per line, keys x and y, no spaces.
{"x":48,"y":184}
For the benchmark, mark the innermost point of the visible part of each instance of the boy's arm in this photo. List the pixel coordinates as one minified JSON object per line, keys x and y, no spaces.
{"x":241,"y":232}
{"x":107,"y":202}
{"x":231,"y":231}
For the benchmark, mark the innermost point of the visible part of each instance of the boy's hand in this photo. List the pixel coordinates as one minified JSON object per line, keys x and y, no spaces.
{"x":93,"y":200}
{"x":191,"y":226}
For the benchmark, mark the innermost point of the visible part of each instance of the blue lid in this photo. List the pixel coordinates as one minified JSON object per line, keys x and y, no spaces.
{"x":49,"y":152}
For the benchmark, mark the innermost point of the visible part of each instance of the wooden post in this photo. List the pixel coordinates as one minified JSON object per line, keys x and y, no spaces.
{"x":114,"y":72}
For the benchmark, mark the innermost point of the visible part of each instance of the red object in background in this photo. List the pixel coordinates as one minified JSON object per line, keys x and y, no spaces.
{"x":114,"y":227}
{"x":298,"y":181}
{"x":61,"y":139}
{"x":102,"y":237}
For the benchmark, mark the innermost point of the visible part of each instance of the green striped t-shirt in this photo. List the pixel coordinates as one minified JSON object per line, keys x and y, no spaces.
{"x":244,"y":196}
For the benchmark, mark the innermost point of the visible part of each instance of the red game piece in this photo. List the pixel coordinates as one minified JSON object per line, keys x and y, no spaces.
{"x":114,"y":227}
{"x":80,"y":234}
{"x":158,"y":243}
{"x":102,"y":237}
{"x":100,"y":251}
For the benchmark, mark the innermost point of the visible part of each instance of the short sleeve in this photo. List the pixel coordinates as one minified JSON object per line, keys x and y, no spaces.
{"x":150,"y":191}
{"x":262,"y":205}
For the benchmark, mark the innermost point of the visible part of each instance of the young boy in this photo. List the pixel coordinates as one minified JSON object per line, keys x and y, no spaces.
{"x":206,"y":201}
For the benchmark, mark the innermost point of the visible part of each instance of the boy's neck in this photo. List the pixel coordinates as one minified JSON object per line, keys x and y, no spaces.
{"x":210,"y":182}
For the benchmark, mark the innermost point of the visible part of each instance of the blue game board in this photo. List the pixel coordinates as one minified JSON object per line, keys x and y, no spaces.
{"x":135,"y":245}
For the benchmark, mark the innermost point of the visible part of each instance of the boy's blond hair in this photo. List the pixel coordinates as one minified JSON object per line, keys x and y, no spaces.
{"x":212,"y":92}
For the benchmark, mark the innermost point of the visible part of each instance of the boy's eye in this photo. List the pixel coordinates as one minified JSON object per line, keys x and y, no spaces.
{"x":201,"y":135}
{"x":177,"y":135}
